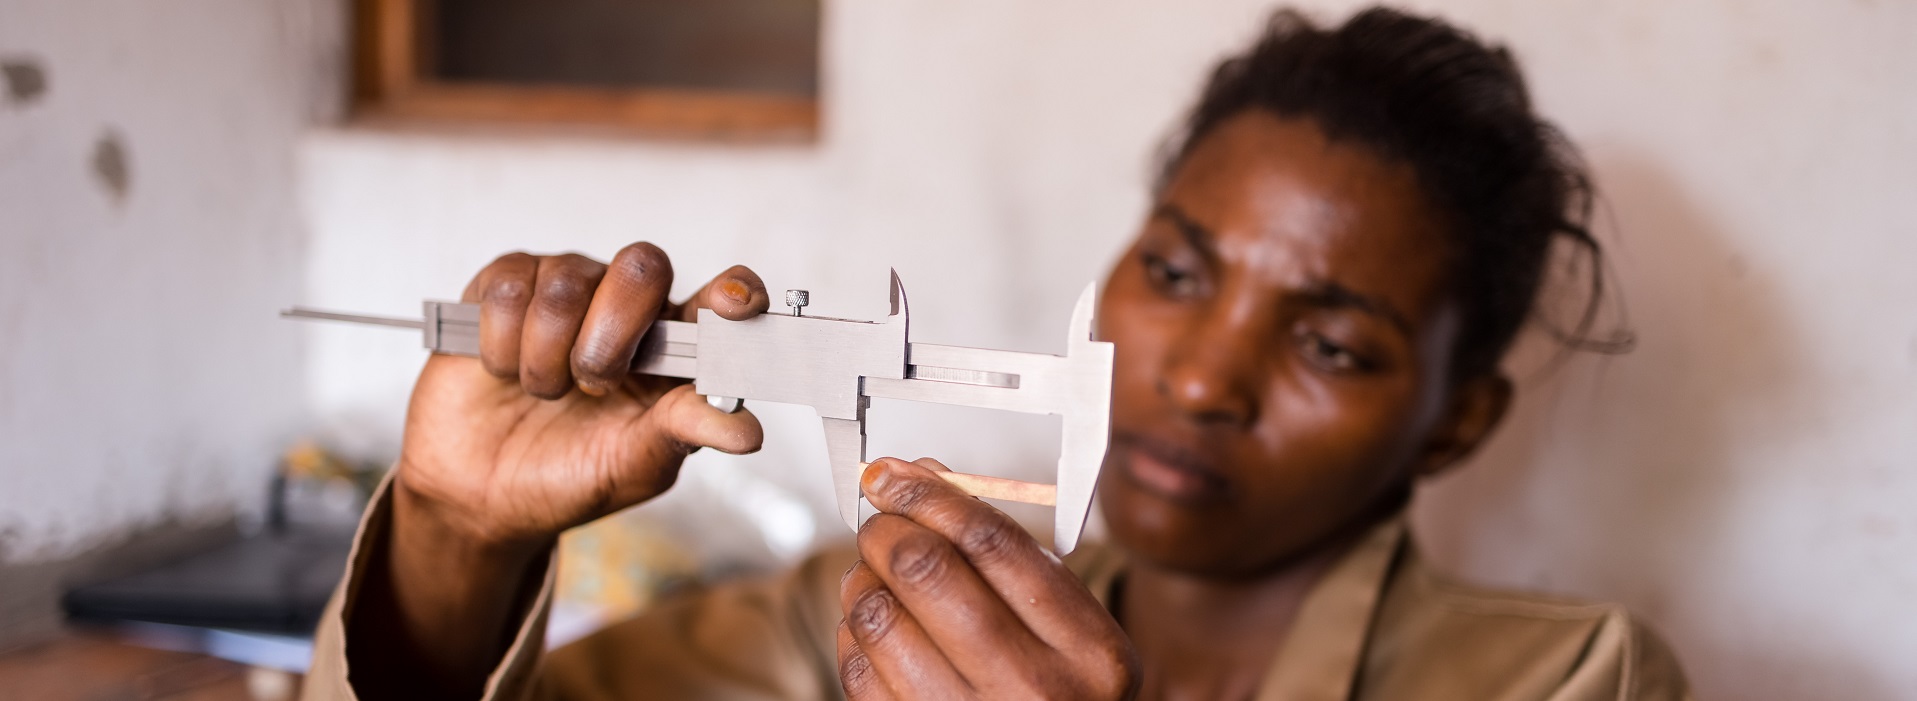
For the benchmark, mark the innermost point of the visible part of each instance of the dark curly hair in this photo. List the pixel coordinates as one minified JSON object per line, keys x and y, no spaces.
{"x":1422,"y":92}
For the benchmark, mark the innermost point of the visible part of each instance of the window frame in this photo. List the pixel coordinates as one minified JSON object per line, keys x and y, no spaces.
{"x":389,"y":86}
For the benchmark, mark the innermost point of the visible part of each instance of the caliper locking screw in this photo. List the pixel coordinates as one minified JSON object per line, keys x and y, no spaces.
{"x":797,"y":299}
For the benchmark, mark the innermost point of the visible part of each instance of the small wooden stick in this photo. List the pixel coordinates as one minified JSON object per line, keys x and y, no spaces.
{"x":999,"y":488}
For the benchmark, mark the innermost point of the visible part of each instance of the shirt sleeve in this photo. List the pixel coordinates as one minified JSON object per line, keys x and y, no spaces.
{"x":751,"y":640}
{"x":1625,"y":661}
{"x":329,"y":677}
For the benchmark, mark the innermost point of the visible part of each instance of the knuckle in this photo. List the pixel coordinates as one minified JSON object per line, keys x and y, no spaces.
{"x":508,"y":290}
{"x":566,"y":289}
{"x":874,"y":614}
{"x":856,"y":673}
{"x":515,"y":259}
{"x":498,"y":368}
{"x":547,"y":392}
{"x":1115,"y":672}
{"x":910,"y":495}
{"x":920,"y":560}
{"x":987,"y":536}
{"x":543,"y":385}
{"x":595,"y":359}
{"x":1040,"y":682}
{"x":641,"y":261}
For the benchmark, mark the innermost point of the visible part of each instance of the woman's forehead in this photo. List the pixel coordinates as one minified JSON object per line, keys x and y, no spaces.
{"x":1284,"y":205}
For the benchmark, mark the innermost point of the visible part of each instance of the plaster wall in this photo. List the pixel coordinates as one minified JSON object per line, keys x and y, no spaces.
{"x":148,"y":229}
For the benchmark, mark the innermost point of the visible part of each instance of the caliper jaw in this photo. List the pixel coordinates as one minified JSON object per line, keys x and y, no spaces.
{"x":1077,"y":386}
{"x":845,"y":448}
{"x":845,"y":438}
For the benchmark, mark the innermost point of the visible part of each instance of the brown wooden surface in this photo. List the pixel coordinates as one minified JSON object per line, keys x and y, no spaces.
{"x":661,"y":112}
{"x":92,"y":666}
{"x":396,"y":30}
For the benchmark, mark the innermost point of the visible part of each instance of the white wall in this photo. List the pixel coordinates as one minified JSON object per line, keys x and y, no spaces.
{"x":143,"y":377}
{"x":1743,"y":480}
{"x":1746,"y":478}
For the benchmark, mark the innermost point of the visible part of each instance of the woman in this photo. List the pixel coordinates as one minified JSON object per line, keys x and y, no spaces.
{"x":1343,"y":244}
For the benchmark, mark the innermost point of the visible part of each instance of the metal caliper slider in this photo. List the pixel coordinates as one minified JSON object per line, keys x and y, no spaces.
{"x":836,"y":365}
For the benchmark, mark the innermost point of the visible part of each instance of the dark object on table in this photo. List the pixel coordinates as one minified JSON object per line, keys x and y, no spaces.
{"x":272,"y":582}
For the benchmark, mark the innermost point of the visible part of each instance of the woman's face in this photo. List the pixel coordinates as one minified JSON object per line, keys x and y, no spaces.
{"x":1283,"y":330}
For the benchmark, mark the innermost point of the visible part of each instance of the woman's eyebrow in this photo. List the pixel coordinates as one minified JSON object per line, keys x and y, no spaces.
{"x":1193,"y":232}
{"x":1328,"y":294}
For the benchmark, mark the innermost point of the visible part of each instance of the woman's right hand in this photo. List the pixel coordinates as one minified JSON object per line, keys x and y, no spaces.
{"x":548,"y":429}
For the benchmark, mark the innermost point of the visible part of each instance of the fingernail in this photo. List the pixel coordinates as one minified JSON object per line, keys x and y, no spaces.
{"x":877,"y":477}
{"x":735,"y":291}
{"x":590,"y":389}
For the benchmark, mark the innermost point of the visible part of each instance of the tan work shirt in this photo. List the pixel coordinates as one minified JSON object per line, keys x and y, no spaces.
{"x":1380,"y":625}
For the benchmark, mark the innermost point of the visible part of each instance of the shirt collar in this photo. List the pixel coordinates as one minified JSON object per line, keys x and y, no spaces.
{"x":1321,"y":655}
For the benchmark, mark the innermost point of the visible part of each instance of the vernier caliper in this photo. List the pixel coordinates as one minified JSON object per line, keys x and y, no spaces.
{"x":836,"y":366}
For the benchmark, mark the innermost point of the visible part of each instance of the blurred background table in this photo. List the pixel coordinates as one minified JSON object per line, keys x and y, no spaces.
{"x":99,"y":665}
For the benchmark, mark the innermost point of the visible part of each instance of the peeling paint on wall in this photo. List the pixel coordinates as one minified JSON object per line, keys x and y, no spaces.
{"x":25,"y":80}
{"x":110,"y":166}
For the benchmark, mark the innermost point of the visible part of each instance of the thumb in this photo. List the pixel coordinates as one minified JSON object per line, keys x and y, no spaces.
{"x":678,"y":424}
{"x":682,"y":422}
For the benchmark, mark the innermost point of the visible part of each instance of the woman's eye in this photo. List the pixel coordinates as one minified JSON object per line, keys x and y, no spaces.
{"x":1331,"y":355}
{"x":1170,"y":278}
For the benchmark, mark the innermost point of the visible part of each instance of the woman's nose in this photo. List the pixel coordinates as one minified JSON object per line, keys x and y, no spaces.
{"x":1211,"y":380}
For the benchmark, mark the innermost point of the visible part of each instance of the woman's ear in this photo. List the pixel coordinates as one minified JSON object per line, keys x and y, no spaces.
{"x":1476,"y":408}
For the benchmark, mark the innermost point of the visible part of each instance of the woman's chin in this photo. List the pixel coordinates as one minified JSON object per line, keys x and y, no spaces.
{"x":1164,"y":533}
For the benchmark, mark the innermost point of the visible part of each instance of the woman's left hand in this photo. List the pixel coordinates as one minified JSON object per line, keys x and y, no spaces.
{"x":952,"y":599}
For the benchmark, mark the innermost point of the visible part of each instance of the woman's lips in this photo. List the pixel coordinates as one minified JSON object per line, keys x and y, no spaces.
{"x":1169,"y":470}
